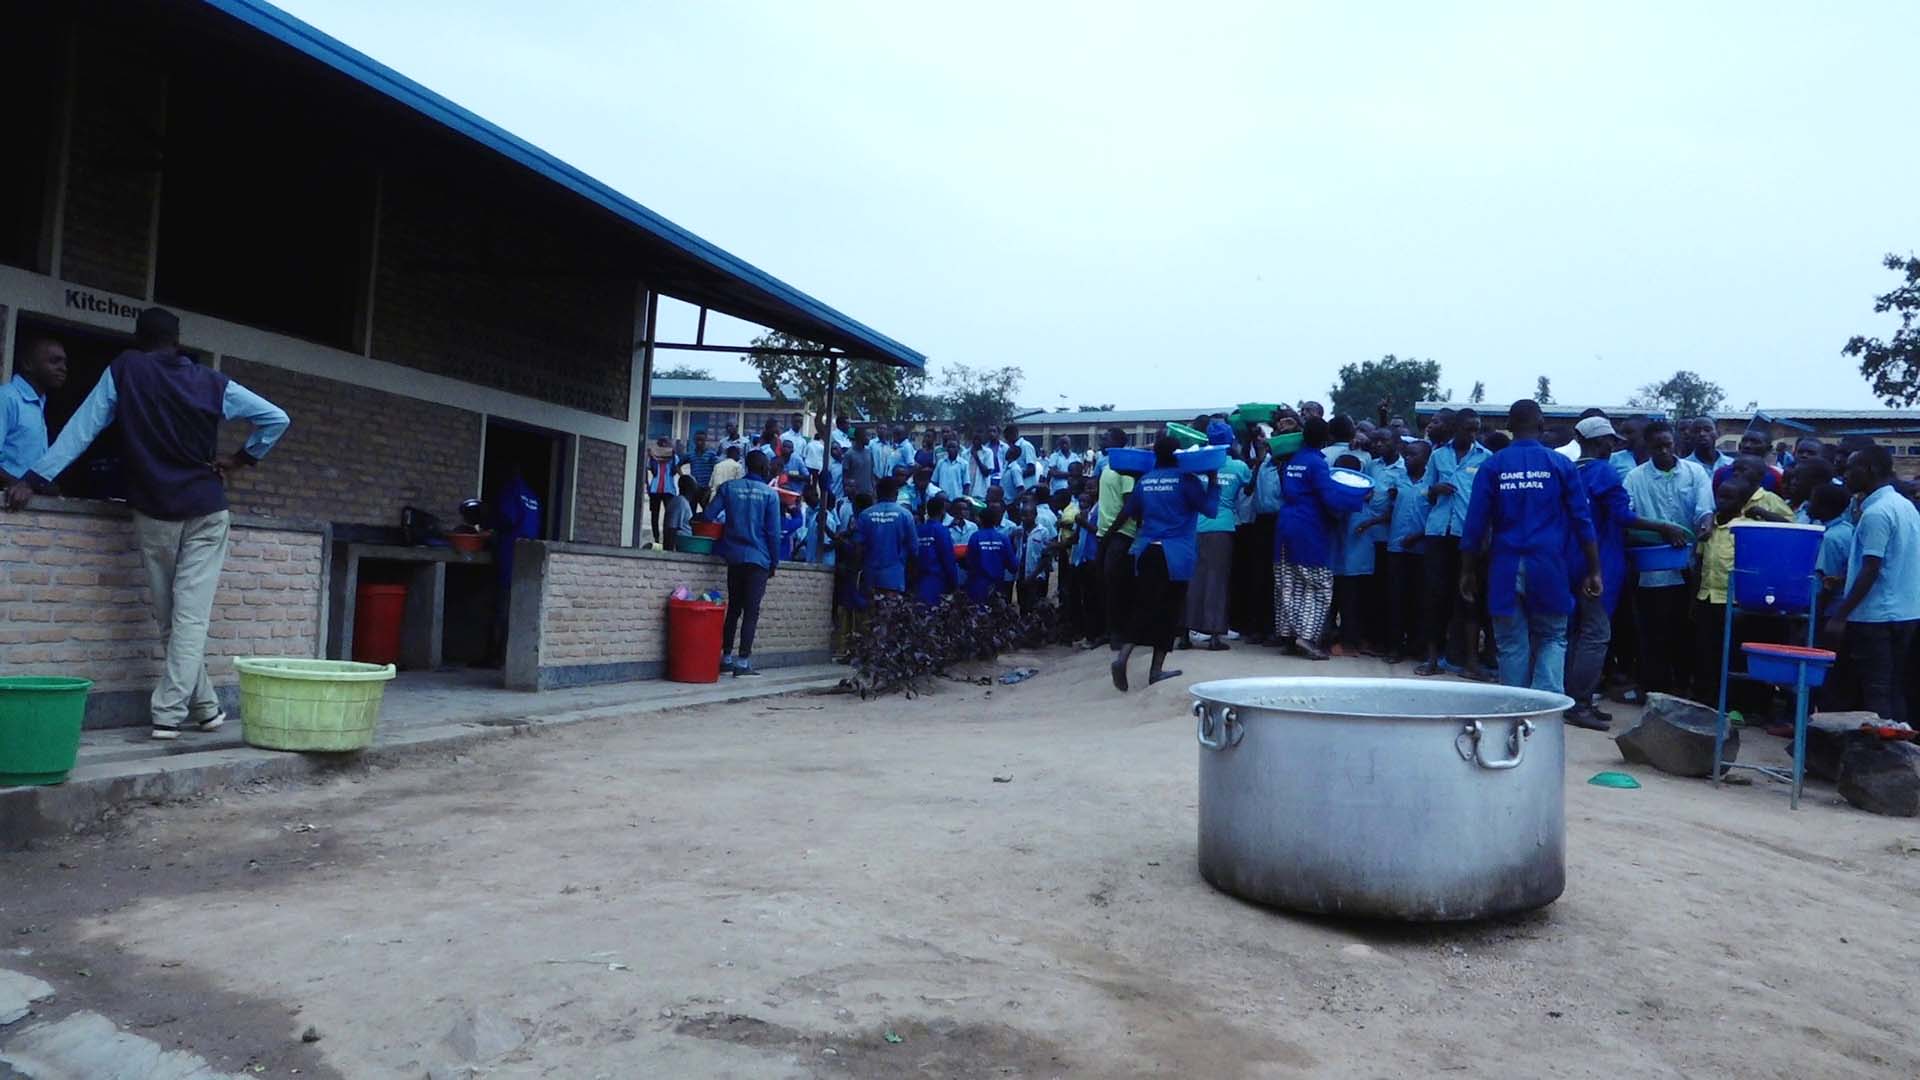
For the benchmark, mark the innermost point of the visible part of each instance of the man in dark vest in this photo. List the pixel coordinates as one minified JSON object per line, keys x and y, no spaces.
{"x":169,"y":408}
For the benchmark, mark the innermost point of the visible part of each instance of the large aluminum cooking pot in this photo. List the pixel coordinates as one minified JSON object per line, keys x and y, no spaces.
{"x":1382,"y":798}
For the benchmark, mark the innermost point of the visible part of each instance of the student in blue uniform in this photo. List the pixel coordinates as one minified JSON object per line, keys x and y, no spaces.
{"x":888,"y":540}
{"x":989,"y":558}
{"x":1451,"y":624}
{"x":750,"y":544}
{"x":1527,"y":510}
{"x":1353,"y":561}
{"x":1303,"y":545}
{"x":1590,"y":630}
{"x":936,"y":574}
{"x":1168,"y":504}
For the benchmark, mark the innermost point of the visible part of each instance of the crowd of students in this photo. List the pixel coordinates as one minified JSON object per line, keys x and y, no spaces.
{"x":1479,"y":553}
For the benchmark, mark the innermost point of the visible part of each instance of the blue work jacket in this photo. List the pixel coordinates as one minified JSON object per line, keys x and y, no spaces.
{"x":1528,"y":509}
{"x":1611,"y":508}
{"x":935,"y":572}
{"x":989,"y":559}
{"x":1169,"y":505}
{"x":751,"y":509}
{"x":1304,"y":533}
{"x":888,"y":538}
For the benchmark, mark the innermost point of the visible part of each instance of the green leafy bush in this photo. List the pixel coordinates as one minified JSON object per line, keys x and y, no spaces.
{"x":904,"y":641}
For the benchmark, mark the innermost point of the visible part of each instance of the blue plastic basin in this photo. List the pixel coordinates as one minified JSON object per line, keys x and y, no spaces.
{"x":1130,"y":459}
{"x":1780,"y":664}
{"x":1206,"y":459}
{"x":1351,"y":490}
{"x":1659,"y":557}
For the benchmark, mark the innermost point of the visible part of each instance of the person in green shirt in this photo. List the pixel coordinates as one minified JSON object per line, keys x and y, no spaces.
{"x":1116,"y":565}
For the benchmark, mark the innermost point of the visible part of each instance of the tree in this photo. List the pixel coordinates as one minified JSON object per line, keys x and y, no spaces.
{"x":866,"y":388}
{"x":978,"y":399}
{"x":1543,"y":390}
{"x":1893,"y":367}
{"x":1399,"y":383}
{"x":1479,"y":392}
{"x":683,"y":372}
{"x":1683,"y":395}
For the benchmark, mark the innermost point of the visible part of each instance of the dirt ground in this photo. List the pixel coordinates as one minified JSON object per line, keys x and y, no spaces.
{"x":823,"y":887}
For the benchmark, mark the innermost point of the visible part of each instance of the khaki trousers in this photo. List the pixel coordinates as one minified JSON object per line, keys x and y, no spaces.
{"x":183,"y":560}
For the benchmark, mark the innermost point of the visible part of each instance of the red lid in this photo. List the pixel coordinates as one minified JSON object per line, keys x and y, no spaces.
{"x":1788,"y":652}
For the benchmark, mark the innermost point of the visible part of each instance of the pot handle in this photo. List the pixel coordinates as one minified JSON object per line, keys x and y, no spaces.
{"x":1468,"y":743}
{"x":1220,"y":735}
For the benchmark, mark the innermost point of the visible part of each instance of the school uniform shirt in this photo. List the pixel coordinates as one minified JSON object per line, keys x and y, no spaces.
{"x":983,"y":469}
{"x":1029,"y":464}
{"x":725,"y":471}
{"x":1408,"y":531}
{"x":1304,"y":534}
{"x":1086,"y":540}
{"x":679,"y":516}
{"x":1528,"y":509}
{"x":914,"y":497}
{"x":1716,"y":552}
{"x":888,"y":537}
{"x":1889,"y":527}
{"x":751,"y":509}
{"x":963,"y":530}
{"x":1355,"y":550}
{"x":989,"y":560}
{"x":1680,"y":496}
{"x":1233,"y":479}
{"x":1448,"y":515}
{"x":1836,"y":548}
{"x":857,"y":469}
{"x":936,"y":572}
{"x":1612,"y":508}
{"x":1266,"y":488}
{"x":880,"y":454}
{"x":1013,"y":479}
{"x":1062,"y":462}
{"x":809,"y":524}
{"x":1033,"y":559}
{"x":23,"y":426}
{"x":1169,"y":505}
{"x":1623,"y":462}
{"x":950,"y":474}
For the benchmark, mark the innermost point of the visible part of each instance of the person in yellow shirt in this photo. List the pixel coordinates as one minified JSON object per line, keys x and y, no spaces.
{"x":1739,"y":499}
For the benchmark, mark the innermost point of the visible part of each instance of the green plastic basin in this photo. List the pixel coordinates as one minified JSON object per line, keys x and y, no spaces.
{"x":292,"y":703}
{"x":40,"y":727}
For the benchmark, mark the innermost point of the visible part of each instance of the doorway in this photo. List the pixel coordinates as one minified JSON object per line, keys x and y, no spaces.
{"x":539,"y":456}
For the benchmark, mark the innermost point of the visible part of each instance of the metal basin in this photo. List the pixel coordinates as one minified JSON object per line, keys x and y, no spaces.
{"x":1382,"y":798}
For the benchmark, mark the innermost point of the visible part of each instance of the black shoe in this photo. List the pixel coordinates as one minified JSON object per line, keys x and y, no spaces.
{"x":1585,"y":716}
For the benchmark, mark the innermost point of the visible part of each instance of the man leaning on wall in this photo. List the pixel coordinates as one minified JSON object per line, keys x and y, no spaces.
{"x":169,"y":408}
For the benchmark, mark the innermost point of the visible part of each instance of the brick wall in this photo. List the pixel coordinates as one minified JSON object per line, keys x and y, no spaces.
{"x":602,"y":616}
{"x":113,"y":173}
{"x":354,"y":454}
{"x":75,"y":602}
{"x":602,"y":487}
{"x":472,"y":286}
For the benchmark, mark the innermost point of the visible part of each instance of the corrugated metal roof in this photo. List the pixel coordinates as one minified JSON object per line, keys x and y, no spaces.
{"x":1115,"y":416}
{"x":715,"y":390}
{"x":1555,"y":411}
{"x":742,"y":290}
{"x":1884,"y":415}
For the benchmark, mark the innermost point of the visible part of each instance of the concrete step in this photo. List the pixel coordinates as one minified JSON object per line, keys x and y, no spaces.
{"x":118,"y":766}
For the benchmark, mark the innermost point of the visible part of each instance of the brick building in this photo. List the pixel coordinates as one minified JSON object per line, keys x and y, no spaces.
{"x":433,"y":300}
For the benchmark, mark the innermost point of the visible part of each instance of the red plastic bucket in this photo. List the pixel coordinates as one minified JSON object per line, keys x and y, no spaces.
{"x":377,"y":611}
{"x":713,"y":530}
{"x":693,"y":640}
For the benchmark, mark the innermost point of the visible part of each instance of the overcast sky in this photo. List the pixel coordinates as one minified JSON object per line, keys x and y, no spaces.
{"x":1199,"y":204}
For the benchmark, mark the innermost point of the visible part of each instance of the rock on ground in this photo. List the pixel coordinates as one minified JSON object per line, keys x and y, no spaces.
{"x":480,"y":1035}
{"x":1829,"y":735}
{"x":18,"y":994}
{"x":1882,"y":777}
{"x":89,"y":1045}
{"x":1675,"y":736}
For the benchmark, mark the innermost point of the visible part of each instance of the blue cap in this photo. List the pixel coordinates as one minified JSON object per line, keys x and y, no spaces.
{"x":1219,"y":434}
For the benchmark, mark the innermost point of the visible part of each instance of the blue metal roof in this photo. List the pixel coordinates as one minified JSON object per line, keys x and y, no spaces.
{"x":807,"y":315}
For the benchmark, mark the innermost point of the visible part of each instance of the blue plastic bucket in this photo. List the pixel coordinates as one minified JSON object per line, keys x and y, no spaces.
{"x":1659,"y":557}
{"x":1205,"y":459}
{"x":1130,"y":459}
{"x":1780,"y":664}
{"x":1773,"y":565}
{"x":1350,"y":491}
